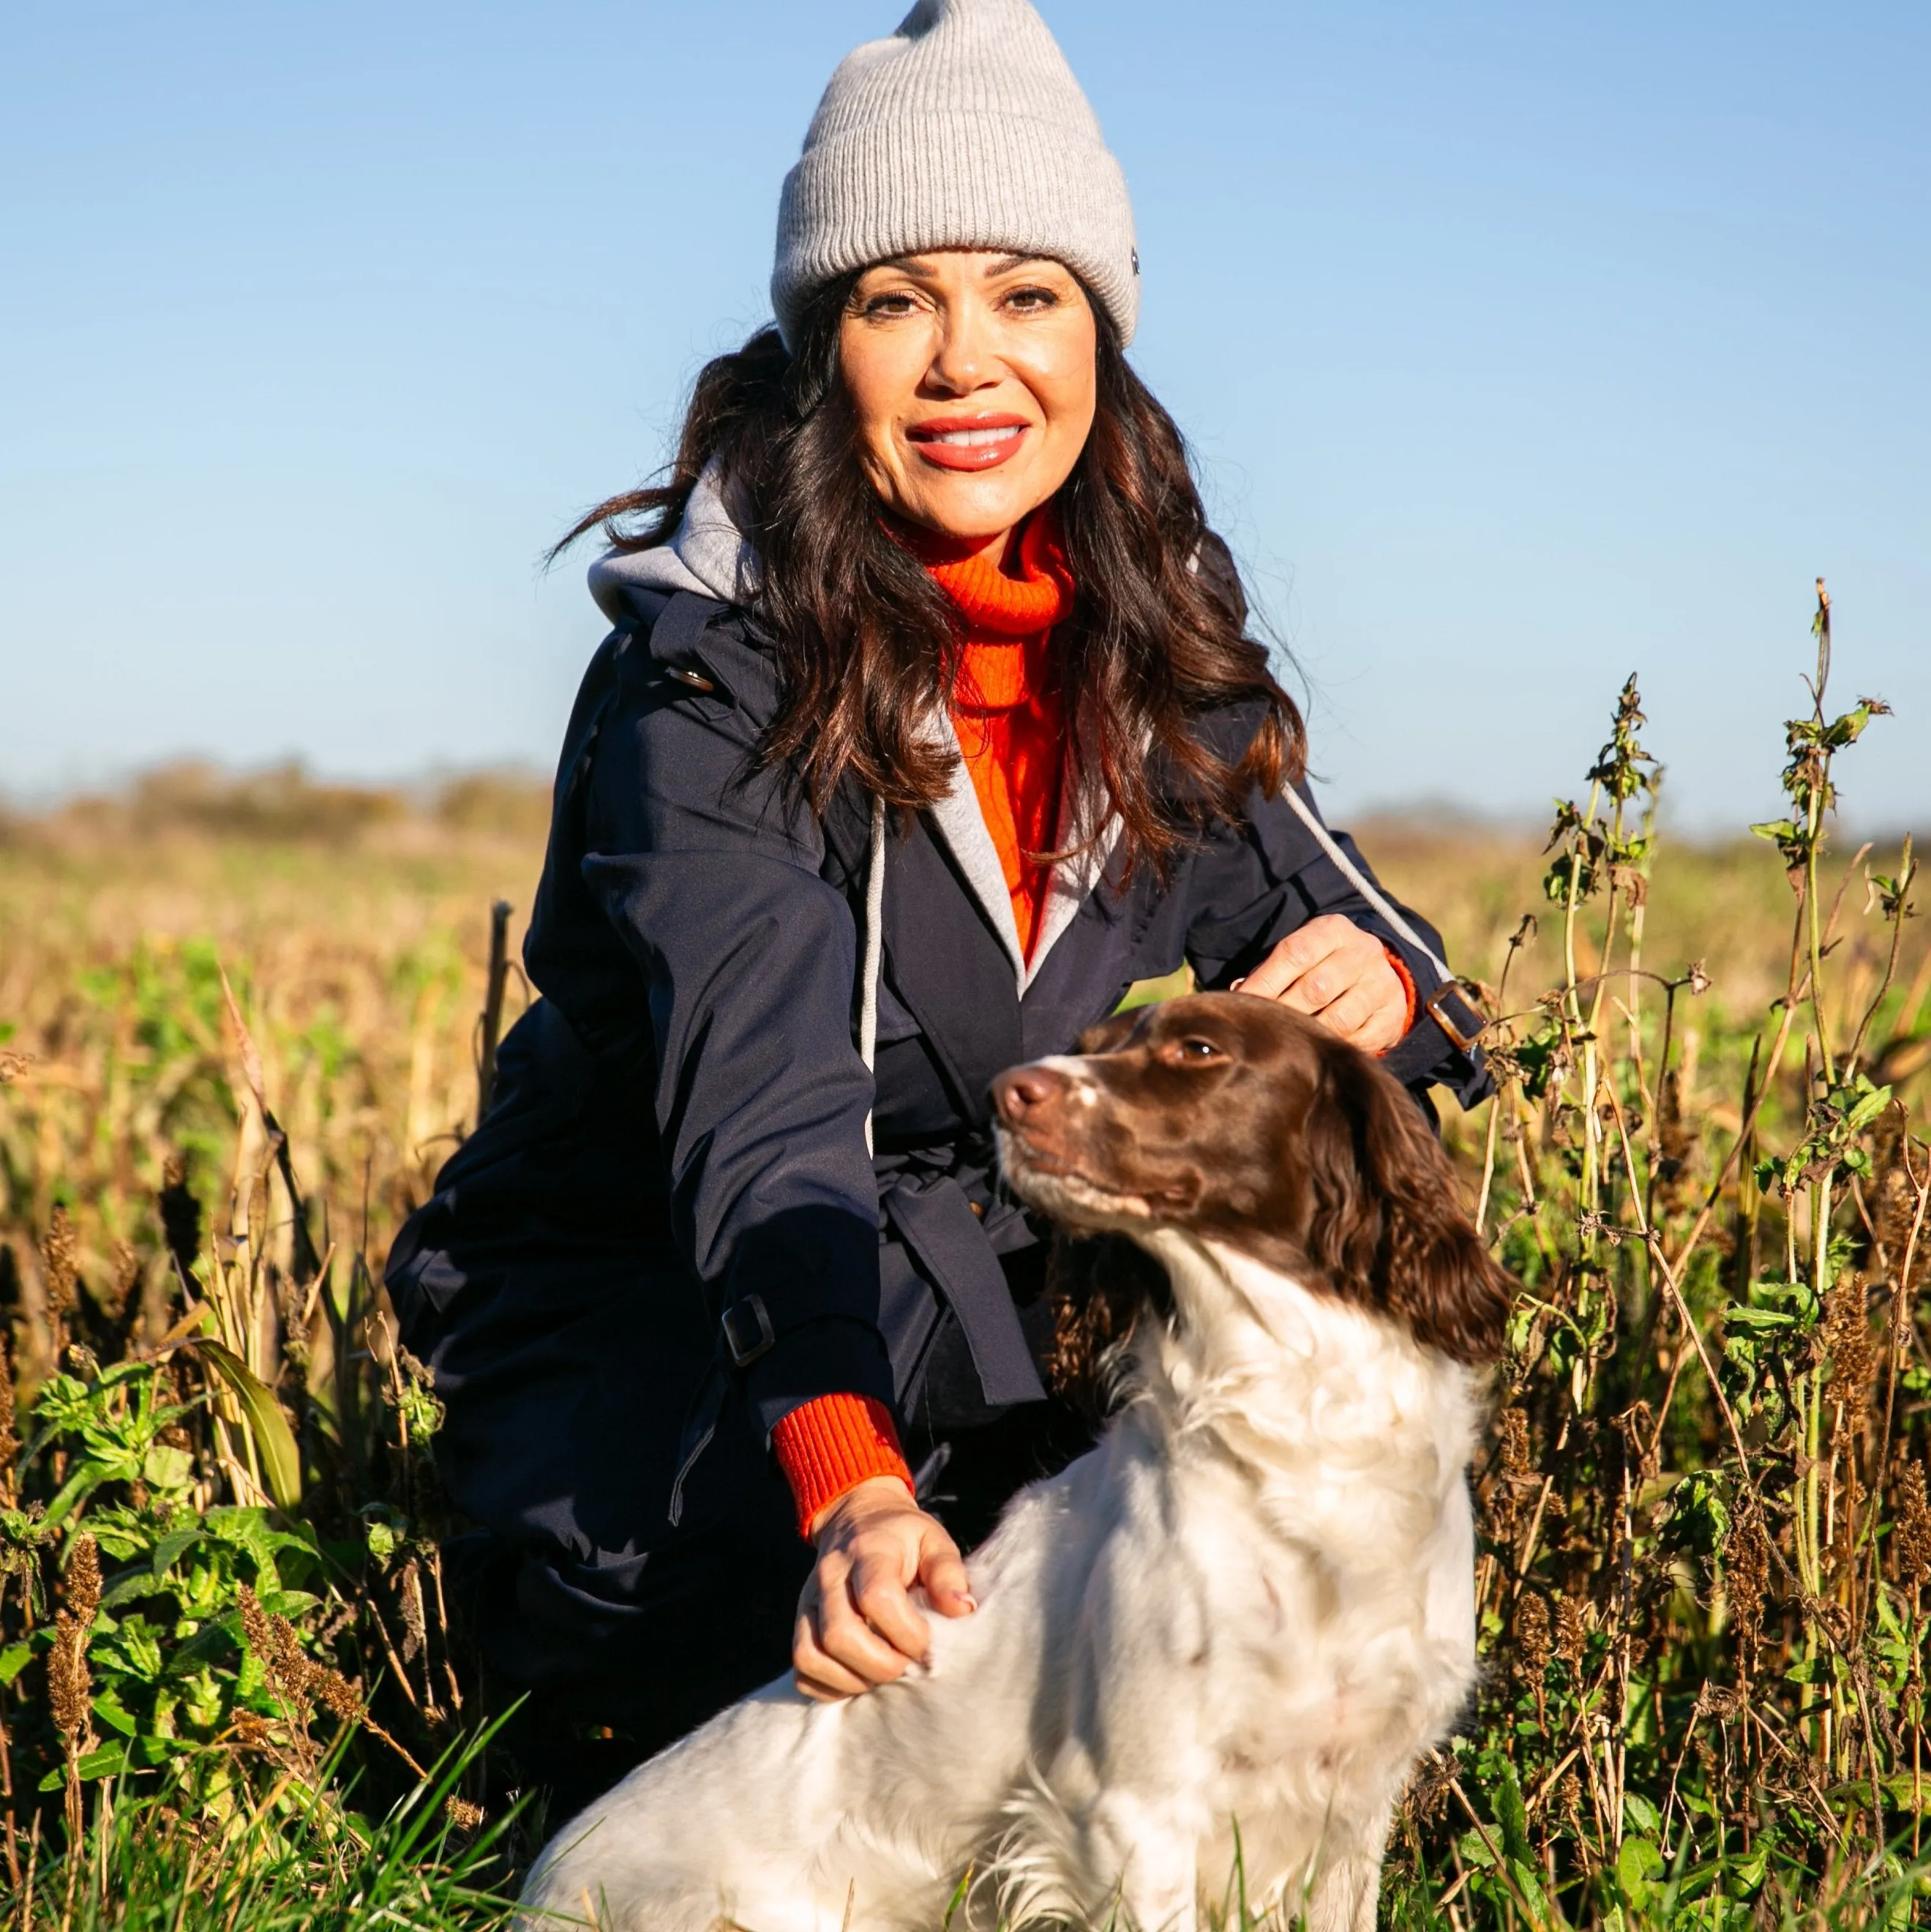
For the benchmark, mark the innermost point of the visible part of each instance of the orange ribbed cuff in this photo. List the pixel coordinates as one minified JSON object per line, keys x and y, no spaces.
{"x":1400,"y":965}
{"x":832,"y":1444}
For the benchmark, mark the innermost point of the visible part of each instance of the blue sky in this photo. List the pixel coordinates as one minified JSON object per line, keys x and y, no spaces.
{"x":1521,"y":346}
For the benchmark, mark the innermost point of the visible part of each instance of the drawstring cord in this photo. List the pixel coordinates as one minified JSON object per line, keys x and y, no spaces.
{"x":874,"y":951}
{"x":1362,"y":884}
{"x":1451,"y":981}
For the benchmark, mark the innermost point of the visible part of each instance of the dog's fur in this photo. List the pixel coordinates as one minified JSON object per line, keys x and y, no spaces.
{"x":1246,"y":1611}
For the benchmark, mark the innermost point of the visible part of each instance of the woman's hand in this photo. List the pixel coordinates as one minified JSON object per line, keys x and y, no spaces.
{"x":1333,"y":970}
{"x":857,"y":1626}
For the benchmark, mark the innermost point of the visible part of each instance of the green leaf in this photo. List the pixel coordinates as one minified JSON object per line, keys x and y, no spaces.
{"x":14,"y":1660}
{"x":274,"y":1441}
{"x":130,"y":1589}
{"x":1642,"y":1816}
{"x":109,"y":1708}
{"x":1638,"y":1862}
{"x":78,"y":1487}
{"x":1512,"y":1814}
{"x":108,"y":1761}
{"x":167,"y":1469}
{"x":168,"y":1551}
{"x":1474,"y":1850}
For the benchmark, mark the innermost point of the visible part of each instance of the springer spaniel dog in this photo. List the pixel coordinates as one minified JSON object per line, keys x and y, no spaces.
{"x":1248,"y":1610}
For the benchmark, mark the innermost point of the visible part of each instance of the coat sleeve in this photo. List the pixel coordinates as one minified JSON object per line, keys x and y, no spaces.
{"x":709,"y":873}
{"x":1257,"y":882}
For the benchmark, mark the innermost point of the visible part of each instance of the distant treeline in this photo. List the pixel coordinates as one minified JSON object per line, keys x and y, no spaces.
{"x":285,"y":802}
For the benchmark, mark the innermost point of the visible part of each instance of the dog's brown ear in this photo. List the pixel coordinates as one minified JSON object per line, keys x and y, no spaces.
{"x":1100,"y":1285}
{"x":1386,"y":1212}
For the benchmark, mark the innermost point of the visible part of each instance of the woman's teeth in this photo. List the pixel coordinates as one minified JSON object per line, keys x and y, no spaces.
{"x":971,"y":438}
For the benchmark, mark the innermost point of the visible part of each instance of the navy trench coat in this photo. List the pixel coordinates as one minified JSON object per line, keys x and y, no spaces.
{"x":668,"y":1231}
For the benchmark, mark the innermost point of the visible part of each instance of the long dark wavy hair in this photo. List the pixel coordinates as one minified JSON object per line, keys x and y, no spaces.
{"x":867,"y":644}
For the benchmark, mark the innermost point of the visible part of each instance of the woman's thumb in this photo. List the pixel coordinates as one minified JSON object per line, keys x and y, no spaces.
{"x":944,"y":1574}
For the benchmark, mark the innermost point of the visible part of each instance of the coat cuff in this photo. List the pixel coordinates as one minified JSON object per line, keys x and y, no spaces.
{"x":1408,"y":980}
{"x":828,"y":1447}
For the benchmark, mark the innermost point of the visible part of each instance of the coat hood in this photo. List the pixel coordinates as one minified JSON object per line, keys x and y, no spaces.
{"x":708,"y":555}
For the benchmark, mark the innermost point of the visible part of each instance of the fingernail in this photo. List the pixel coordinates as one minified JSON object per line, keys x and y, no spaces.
{"x":971,"y":1603}
{"x":1234,"y":986}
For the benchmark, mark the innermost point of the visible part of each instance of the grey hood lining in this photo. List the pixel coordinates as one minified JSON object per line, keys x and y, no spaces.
{"x":707,"y":555}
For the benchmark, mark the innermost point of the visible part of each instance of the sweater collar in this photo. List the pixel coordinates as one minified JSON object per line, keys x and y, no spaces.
{"x":997,"y":604}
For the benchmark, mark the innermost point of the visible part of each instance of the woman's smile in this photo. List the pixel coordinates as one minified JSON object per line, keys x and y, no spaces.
{"x":967,"y":443}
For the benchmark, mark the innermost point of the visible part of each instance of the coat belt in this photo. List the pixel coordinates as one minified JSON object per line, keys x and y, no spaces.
{"x":932,"y":1216}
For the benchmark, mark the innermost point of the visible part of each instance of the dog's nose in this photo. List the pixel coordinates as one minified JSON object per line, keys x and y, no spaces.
{"x":1023,"y":1090}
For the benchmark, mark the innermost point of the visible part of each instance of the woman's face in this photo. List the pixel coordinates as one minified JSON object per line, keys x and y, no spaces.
{"x":971,"y":375}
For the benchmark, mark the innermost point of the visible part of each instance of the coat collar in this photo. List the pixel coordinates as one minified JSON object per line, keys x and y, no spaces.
{"x":960,"y":824}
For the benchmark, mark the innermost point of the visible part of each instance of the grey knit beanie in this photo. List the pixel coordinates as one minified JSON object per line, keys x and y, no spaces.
{"x":965,"y":130}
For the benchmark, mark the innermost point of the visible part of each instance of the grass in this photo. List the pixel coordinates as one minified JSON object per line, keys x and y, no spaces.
{"x":228,"y":1692}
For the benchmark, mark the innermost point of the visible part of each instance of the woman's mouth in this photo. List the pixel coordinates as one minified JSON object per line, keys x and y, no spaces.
{"x":967,"y":443}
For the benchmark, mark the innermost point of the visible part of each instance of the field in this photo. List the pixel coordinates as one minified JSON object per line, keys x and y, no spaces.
{"x":228,"y":1693}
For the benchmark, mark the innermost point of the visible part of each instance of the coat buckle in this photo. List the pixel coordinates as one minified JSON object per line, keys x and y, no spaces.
{"x":732,"y":1322}
{"x":1463,"y":1042}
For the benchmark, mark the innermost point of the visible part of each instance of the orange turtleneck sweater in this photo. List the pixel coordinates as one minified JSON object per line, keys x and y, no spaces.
{"x":1011,"y":734}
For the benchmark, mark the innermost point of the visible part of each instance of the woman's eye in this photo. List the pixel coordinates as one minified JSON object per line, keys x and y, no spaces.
{"x":1032,"y":299}
{"x":888,"y":305}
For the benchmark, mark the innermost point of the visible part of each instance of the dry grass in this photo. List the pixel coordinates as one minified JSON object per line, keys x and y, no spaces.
{"x":1705,"y":1529}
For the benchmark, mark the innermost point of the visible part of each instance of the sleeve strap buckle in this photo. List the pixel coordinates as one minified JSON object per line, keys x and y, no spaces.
{"x":736,"y":1323}
{"x":1436,"y":1010}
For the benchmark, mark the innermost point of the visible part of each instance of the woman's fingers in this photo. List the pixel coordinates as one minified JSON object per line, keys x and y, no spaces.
{"x":817,"y":1675}
{"x":835,"y":1652}
{"x":1332,"y":970}
{"x":881,"y":1578}
{"x":1352,"y":1016}
{"x":1293,"y":973}
{"x":942,"y":1572}
{"x":848,"y":1638}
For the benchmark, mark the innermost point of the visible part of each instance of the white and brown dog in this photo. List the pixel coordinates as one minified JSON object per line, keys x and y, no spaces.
{"x":1248,"y":1610}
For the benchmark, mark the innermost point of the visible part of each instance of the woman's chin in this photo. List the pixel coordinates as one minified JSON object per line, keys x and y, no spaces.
{"x":972,"y":509}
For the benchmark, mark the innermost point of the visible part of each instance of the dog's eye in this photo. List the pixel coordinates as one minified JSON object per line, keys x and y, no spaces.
{"x":1200,"y":1049}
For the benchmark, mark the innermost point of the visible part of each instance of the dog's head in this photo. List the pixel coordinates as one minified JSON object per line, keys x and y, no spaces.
{"x":1240,"y":1121}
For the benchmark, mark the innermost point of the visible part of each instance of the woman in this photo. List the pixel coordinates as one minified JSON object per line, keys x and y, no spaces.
{"x":927,"y":727}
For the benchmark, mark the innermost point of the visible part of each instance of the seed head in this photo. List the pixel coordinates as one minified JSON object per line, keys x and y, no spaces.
{"x":1572,"y":1632}
{"x":10,"y":1440}
{"x":337,"y":1695}
{"x":1911,"y":1538}
{"x":1515,"y":1424}
{"x":70,"y":1685}
{"x":60,"y":1258}
{"x":127,"y":1278}
{"x":460,"y":1812}
{"x":414,"y":1623}
{"x":255,"y":1628}
{"x":1747,"y":1581}
{"x":1532,"y":1634}
{"x":83,"y":1587}
{"x":1847,"y":1336}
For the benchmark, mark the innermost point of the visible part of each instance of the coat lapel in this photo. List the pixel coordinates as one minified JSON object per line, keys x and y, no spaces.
{"x":961,"y":825}
{"x":949,"y":965}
